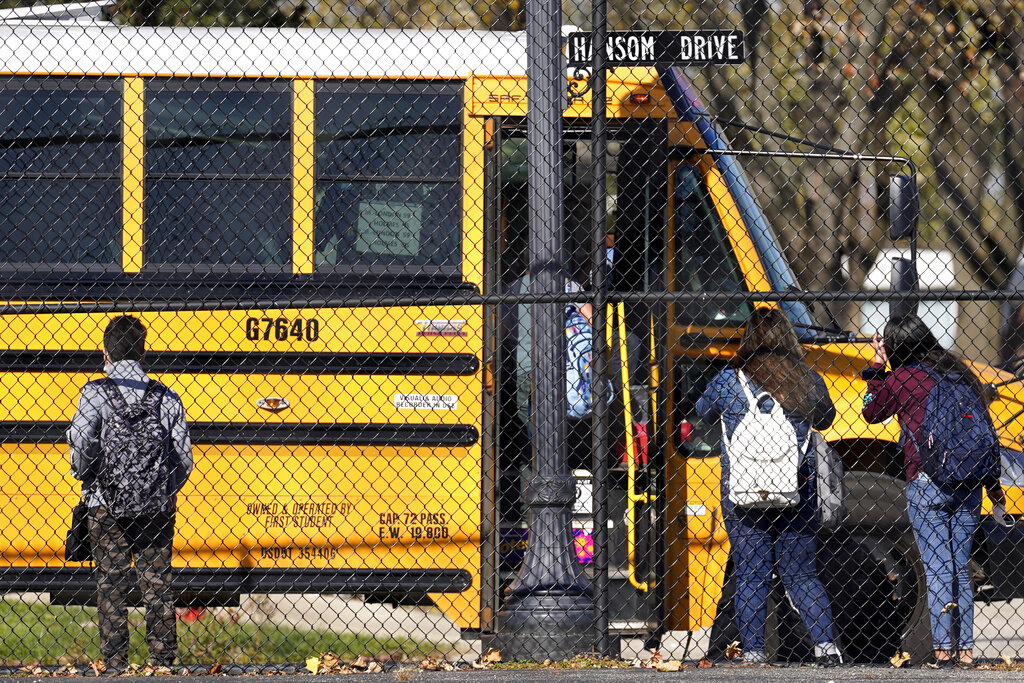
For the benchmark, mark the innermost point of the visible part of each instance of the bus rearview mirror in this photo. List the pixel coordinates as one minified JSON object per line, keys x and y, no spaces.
{"x":904,"y":211}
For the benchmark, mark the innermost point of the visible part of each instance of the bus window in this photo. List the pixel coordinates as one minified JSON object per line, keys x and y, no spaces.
{"x":690,"y":379}
{"x":218,"y":173}
{"x":388,"y":178}
{"x":704,"y":259}
{"x":60,"y":172}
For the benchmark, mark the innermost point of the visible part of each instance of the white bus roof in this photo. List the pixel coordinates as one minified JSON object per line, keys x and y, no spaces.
{"x":44,"y":48}
{"x":67,"y":13}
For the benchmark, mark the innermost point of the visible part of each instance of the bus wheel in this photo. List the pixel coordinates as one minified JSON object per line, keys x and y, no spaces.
{"x":876,"y":588}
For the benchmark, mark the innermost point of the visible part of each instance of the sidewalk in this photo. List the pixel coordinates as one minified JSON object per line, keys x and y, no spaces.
{"x":725,"y":673}
{"x":349,"y":614}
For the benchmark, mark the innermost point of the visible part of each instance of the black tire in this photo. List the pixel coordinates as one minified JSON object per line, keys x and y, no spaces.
{"x":875,"y":590}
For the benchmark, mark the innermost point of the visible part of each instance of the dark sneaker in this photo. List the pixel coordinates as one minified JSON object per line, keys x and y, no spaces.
{"x":115,"y":667}
{"x":935,"y":663}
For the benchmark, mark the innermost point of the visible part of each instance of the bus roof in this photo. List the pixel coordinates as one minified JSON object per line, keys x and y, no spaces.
{"x":44,"y":48}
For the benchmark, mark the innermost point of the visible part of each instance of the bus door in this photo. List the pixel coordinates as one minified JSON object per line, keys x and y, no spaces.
{"x":634,"y":537}
{"x":638,"y":184}
{"x":701,"y":257}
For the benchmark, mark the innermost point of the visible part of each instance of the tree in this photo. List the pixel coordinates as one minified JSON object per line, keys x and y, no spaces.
{"x":904,"y":77}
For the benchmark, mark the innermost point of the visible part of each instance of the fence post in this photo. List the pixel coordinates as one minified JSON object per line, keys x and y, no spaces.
{"x":599,"y":282}
{"x":549,"y":608}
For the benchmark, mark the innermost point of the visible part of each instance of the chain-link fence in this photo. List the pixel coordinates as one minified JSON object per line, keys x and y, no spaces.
{"x":445,"y":374}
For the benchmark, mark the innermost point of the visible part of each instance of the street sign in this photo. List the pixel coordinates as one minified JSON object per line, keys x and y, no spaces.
{"x":648,"y":48}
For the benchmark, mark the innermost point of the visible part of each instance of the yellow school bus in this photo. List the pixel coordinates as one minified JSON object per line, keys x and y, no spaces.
{"x":366,"y":450}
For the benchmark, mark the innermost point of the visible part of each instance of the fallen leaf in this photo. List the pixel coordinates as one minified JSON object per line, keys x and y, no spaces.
{"x":329,"y":663}
{"x":899,"y":659}
{"x":734,"y":650}
{"x":671,"y":665}
{"x":492,"y":656}
{"x":1007,"y":660}
{"x":162,"y":671}
{"x":548,"y":662}
{"x":312,"y":665}
{"x":430,"y":664}
{"x":374,"y":667}
{"x":98,"y":667}
{"x":215,"y":669}
{"x":148,"y":670}
{"x":705,"y":663}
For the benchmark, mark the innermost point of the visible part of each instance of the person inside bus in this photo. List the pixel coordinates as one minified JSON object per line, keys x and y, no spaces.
{"x":517,"y":348}
{"x":766,"y":540}
{"x":131,"y":449}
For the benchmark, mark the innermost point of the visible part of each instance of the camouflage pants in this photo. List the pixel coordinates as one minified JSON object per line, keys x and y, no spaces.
{"x":114,"y":544}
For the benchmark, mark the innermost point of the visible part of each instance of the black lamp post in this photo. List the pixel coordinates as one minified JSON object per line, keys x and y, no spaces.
{"x":549,"y":608}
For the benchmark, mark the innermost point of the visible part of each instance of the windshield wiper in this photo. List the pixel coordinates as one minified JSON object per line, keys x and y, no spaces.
{"x":827,"y":335}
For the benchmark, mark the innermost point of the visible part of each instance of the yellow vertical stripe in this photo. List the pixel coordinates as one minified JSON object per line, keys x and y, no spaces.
{"x":474,"y":137}
{"x":739,"y":236}
{"x":302,"y":171}
{"x":131,"y":163}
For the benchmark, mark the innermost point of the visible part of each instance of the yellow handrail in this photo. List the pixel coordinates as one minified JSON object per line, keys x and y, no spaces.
{"x":632,"y":497}
{"x":655,"y":377}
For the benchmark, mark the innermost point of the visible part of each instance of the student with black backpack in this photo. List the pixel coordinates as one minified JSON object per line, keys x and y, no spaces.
{"x":130,"y":447}
{"x":951,"y":454}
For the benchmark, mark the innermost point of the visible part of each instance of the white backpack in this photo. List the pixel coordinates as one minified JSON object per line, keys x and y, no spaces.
{"x":764,"y":455}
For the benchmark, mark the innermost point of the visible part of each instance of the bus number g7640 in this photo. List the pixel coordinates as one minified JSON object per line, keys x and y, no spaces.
{"x":282,"y":329}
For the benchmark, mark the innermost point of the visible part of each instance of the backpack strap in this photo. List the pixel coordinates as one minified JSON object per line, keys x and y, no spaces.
{"x":109,"y":387}
{"x":748,"y":390}
{"x":154,"y":396}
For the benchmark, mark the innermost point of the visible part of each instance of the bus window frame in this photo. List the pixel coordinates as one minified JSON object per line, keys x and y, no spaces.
{"x":454,"y":87}
{"x":104,"y":84}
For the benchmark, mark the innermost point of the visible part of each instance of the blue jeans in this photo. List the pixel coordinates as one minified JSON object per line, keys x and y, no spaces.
{"x":760,"y":539}
{"x":944,"y":520}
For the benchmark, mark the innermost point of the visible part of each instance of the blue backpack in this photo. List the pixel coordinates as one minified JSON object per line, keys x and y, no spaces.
{"x":959,"y":444}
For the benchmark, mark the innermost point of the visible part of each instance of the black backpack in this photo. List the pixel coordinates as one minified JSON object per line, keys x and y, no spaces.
{"x":958,"y":444}
{"x":134,"y":471}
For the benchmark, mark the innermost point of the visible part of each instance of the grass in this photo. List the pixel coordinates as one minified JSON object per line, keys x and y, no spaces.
{"x":50,"y":634}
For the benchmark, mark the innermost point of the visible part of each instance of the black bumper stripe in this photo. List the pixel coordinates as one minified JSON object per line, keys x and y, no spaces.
{"x":280,"y":434}
{"x":195,"y":583}
{"x":217,"y":362}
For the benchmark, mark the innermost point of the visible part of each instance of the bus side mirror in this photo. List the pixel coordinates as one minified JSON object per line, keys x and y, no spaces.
{"x":904,"y":211}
